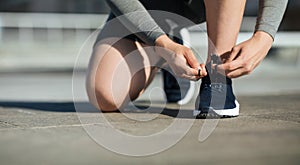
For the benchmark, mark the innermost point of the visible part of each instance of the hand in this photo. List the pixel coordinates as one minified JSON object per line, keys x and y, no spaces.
{"x":180,"y":58}
{"x":245,"y":57}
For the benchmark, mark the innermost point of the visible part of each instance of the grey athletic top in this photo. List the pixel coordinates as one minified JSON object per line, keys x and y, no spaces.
{"x":268,"y":20}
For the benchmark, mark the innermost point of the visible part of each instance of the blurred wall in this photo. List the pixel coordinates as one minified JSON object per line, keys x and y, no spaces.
{"x":290,"y":21}
{"x":54,"y":6}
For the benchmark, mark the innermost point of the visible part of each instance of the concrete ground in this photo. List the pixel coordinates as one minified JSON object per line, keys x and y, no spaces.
{"x":266,"y":132}
{"x":39,"y":125}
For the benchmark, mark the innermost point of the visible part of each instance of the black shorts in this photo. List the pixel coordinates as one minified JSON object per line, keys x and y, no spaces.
{"x":114,"y":28}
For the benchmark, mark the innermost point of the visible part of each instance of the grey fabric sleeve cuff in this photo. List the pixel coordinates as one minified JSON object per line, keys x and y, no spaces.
{"x":136,"y":19}
{"x":270,"y":15}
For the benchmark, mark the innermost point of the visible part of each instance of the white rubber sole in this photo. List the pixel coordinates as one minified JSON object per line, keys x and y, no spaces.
{"x":224,"y":112}
{"x":189,"y":95}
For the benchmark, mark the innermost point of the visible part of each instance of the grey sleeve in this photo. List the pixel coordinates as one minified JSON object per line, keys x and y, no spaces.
{"x":270,"y":15}
{"x":136,"y":19}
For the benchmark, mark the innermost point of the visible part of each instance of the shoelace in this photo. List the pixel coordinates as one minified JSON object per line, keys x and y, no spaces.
{"x":216,"y":87}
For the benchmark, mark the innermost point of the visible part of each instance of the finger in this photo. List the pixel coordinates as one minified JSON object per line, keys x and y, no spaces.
{"x":191,"y":59}
{"x":192,"y":74}
{"x":203,"y":70}
{"x":245,"y":69}
{"x":193,"y":78}
{"x":230,"y":66}
{"x":234,"y":53}
{"x":237,"y":73}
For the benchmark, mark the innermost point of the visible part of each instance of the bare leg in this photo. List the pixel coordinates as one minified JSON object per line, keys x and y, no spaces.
{"x":119,"y":73}
{"x":224,"y":19}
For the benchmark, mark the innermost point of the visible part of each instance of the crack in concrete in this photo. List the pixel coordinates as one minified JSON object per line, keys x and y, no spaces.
{"x":6,"y":123}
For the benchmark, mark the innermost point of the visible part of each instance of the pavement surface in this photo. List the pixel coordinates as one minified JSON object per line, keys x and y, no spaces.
{"x":39,"y":124}
{"x":266,"y":132}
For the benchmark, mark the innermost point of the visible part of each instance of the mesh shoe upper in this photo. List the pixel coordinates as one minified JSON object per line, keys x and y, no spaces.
{"x":216,"y":95}
{"x":216,"y":90}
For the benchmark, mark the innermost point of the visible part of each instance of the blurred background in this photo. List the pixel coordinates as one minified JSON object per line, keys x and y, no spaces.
{"x":39,"y":42}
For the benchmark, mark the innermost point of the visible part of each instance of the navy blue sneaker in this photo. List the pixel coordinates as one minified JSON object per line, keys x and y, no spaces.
{"x":216,"y":98}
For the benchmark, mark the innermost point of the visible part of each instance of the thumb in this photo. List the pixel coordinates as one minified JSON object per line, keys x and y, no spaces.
{"x":203,"y":70}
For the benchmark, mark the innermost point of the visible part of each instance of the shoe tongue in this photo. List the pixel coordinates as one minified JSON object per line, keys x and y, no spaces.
{"x":216,"y":80}
{"x":206,"y":79}
{"x":213,"y":77}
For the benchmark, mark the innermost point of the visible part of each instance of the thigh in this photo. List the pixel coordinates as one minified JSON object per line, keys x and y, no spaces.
{"x":120,"y":70}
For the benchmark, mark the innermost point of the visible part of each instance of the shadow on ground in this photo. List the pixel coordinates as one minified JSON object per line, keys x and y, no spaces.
{"x":88,"y":108}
